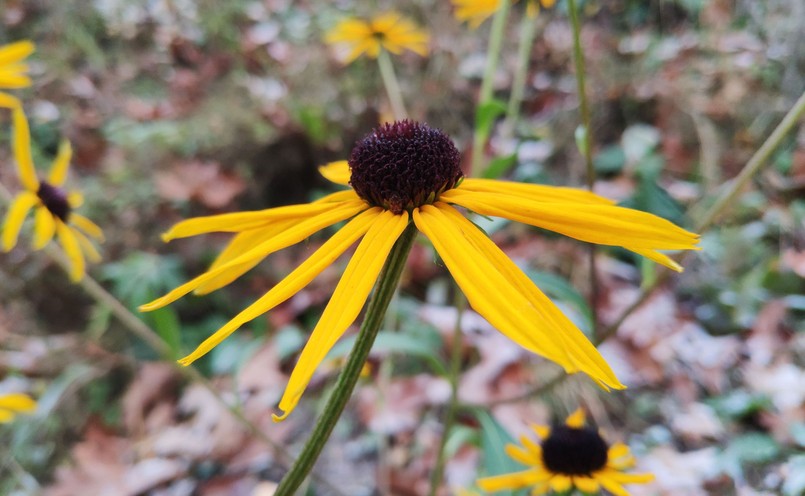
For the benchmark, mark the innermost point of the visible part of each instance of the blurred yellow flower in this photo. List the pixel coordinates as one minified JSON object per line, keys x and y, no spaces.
{"x":14,"y":404}
{"x":13,"y":70}
{"x":53,"y":205}
{"x":390,"y":31}
{"x":408,"y":172}
{"x":568,"y":456}
{"x":475,"y":12}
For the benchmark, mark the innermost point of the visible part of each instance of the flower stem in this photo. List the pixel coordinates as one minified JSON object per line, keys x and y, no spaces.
{"x":392,"y":85}
{"x":384,"y":291}
{"x":585,"y":143}
{"x":452,"y":406}
{"x":528,"y":30}
{"x":487,"y":83}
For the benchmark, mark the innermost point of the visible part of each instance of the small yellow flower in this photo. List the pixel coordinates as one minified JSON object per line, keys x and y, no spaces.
{"x":569,"y":455}
{"x":14,"y":404}
{"x":13,"y":70}
{"x":54,"y":206}
{"x":475,"y":12}
{"x":408,"y":172}
{"x":390,"y":31}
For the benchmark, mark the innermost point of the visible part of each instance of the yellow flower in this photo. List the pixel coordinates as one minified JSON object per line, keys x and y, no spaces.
{"x":569,"y":455}
{"x":390,"y":31}
{"x":13,"y":404}
{"x":54,"y":206}
{"x":475,"y":12}
{"x":13,"y":70}
{"x":404,"y":172}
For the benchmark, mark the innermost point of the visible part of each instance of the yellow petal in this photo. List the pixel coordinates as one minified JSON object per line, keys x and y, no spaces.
{"x":542,"y":431}
{"x":241,"y":221}
{"x":22,"y":151}
{"x":296,"y":280}
{"x":619,"y":457}
{"x":71,"y":247}
{"x":660,"y":258}
{"x":87,"y":226}
{"x":560,"y":483}
{"x":336,"y":172}
{"x":345,"y":304}
{"x":586,"y":484}
{"x":14,"y":76}
{"x":75,"y":199}
{"x":535,"y":192}
{"x":541,"y":322}
{"x":19,"y":209}
{"x":624,"y":478}
{"x":576,"y":420}
{"x":612,"y":486}
{"x":44,"y":227}
{"x":17,"y":402}
{"x":601,"y":224}
{"x":520,"y":455}
{"x":58,"y":172}
{"x":516,"y":480}
{"x":8,"y":101}
{"x":87,"y":247}
{"x":14,"y":52}
{"x":300,"y":231}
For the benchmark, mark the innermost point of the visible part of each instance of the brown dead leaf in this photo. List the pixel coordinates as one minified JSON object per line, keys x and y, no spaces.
{"x":399,"y":405}
{"x":794,"y":259}
{"x":154,"y":382}
{"x":201,"y":181}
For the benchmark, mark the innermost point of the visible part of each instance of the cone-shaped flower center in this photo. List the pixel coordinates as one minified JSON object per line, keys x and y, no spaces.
{"x":404,"y":165}
{"x":55,"y":200}
{"x":573,"y":451}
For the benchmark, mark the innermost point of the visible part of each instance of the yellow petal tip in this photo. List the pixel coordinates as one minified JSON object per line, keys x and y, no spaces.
{"x":279,"y":418}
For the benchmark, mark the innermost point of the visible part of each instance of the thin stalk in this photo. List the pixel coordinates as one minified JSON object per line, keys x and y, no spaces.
{"x":384,"y":291}
{"x":131,"y":322}
{"x":724,"y":200}
{"x":487,"y":83}
{"x":452,"y":406}
{"x":392,"y":85}
{"x":528,"y":31}
{"x":586,"y":145}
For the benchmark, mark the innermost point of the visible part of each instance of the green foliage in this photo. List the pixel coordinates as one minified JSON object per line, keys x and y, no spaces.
{"x":493,"y":440}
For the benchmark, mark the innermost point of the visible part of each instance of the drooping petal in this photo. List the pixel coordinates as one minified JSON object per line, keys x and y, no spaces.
{"x":536,"y":323}
{"x":87,"y":247}
{"x":14,"y":52}
{"x":58,"y":172}
{"x":586,"y":484}
{"x":19,"y":209}
{"x":300,"y":231}
{"x":660,"y":258}
{"x":295,"y":281}
{"x":561,"y":483}
{"x":521,"y":455}
{"x":71,"y":247}
{"x":8,"y":101}
{"x":626,"y":478}
{"x":44,"y":227}
{"x":516,"y":480}
{"x":348,"y":298}
{"x":21,"y":145}
{"x":336,"y":172}
{"x":535,"y":192}
{"x":242,"y":221}
{"x":612,"y":486}
{"x":601,"y":224}
{"x":86,"y":225}
{"x":13,"y":404}
{"x":14,"y":76}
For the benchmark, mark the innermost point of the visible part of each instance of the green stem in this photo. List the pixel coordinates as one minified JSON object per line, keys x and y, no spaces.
{"x":384,"y":291}
{"x":585,"y":144}
{"x":487,"y":83}
{"x":528,"y":31}
{"x":392,"y":85}
{"x":452,"y":406}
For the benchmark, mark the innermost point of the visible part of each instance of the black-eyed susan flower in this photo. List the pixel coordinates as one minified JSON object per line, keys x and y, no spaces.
{"x":53,"y":205}
{"x":475,"y":12}
{"x":408,"y":172}
{"x":389,"y":31}
{"x":567,"y":456}
{"x":13,"y":71}
{"x":14,"y":404}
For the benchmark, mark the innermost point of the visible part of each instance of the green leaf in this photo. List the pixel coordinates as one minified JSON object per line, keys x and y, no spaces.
{"x":486,"y":114}
{"x":166,"y":324}
{"x":794,"y":484}
{"x":494,"y":439}
{"x":559,"y":288}
{"x":798,"y":433}
{"x":498,"y":166}
{"x":650,"y":197}
{"x":582,"y":140}
{"x":422,"y":344}
{"x":753,"y":448}
{"x":610,"y":160}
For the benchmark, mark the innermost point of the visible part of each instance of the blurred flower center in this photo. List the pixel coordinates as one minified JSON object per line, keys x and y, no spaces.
{"x":404,"y":165}
{"x":55,"y":200}
{"x":573,"y":451}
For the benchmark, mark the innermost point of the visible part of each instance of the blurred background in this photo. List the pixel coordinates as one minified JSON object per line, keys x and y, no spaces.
{"x":185,"y":108}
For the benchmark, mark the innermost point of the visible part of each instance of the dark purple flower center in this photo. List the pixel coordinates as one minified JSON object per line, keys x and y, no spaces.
{"x":404,"y":165}
{"x":573,"y":451}
{"x":55,"y":200}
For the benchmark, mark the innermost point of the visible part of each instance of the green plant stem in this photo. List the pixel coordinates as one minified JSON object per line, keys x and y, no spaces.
{"x":392,"y":85}
{"x":487,"y":83}
{"x":528,"y":31}
{"x":452,"y":406}
{"x":384,"y":291}
{"x":724,"y":200}
{"x":586,"y":146}
{"x":131,"y":322}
